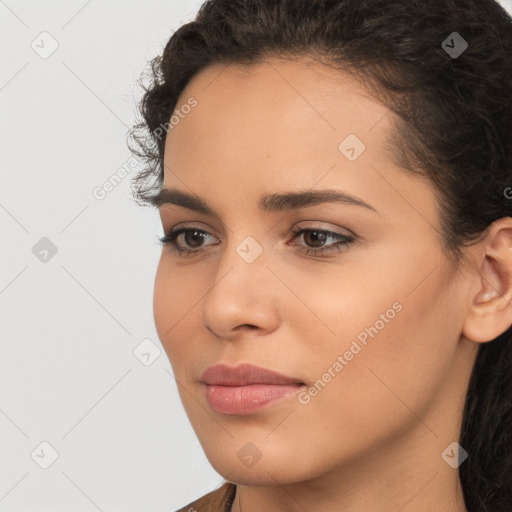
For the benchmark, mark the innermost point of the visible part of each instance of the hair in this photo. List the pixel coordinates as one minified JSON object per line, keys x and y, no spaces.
{"x":453,"y":127}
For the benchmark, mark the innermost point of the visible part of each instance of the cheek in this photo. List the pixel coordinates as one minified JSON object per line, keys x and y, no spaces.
{"x":172,"y":303}
{"x":163,"y":303}
{"x":382,"y":344}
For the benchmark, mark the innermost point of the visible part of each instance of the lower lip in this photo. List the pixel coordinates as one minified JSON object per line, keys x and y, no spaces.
{"x":248,"y":399}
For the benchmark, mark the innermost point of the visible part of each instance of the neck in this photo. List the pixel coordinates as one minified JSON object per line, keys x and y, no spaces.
{"x":410,"y":482}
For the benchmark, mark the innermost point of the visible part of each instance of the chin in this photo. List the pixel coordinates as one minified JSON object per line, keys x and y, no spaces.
{"x":234,"y":463}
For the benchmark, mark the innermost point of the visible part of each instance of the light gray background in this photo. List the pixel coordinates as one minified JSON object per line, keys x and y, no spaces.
{"x":70,"y":324}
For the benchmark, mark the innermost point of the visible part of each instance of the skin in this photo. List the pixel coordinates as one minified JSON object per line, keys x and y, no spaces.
{"x":372,"y":438}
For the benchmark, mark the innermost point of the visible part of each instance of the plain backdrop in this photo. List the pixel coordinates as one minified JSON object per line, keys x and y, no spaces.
{"x":90,"y":417}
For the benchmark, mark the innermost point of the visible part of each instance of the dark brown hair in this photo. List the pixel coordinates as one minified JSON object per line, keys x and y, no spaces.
{"x":454,"y":128}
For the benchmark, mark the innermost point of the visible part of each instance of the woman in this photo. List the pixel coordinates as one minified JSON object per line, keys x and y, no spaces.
{"x":334,"y":183}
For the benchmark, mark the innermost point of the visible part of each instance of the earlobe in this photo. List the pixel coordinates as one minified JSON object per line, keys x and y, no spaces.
{"x":490,"y":312}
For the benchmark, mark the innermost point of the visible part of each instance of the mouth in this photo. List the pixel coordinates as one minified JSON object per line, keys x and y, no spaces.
{"x":246,"y":388}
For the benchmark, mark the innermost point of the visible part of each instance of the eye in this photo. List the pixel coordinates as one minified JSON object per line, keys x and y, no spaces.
{"x":194,"y":238}
{"x":319,"y":236}
{"x":197,"y":236}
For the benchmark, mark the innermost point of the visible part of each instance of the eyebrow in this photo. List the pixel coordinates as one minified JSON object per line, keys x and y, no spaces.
{"x":267,"y":203}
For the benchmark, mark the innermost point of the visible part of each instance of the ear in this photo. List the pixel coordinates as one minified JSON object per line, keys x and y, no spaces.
{"x":490,"y":311}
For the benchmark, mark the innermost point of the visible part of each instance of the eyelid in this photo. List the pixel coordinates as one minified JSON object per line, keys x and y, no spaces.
{"x":342,"y":241}
{"x":321,"y":226}
{"x":317,"y":225}
{"x":200,"y":226}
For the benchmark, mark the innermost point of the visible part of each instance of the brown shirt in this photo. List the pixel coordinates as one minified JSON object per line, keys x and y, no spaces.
{"x":219,"y":500}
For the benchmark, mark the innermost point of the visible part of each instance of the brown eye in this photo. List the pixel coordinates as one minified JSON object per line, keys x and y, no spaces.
{"x":314,"y":240}
{"x":192,"y":239}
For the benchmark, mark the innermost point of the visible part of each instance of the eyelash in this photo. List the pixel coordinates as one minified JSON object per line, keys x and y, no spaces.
{"x":344,"y":241}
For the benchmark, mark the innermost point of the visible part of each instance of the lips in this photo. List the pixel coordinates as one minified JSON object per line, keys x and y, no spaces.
{"x":244,"y":375}
{"x":246,"y":389}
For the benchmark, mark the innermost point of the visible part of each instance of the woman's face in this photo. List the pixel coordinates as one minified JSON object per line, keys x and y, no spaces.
{"x":372,"y":328}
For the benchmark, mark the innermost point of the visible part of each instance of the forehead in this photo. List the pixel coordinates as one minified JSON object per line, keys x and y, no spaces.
{"x":330,"y":99}
{"x":284,"y":110}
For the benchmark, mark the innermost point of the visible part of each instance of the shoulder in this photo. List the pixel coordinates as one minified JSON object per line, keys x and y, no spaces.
{"x":219,"y":500}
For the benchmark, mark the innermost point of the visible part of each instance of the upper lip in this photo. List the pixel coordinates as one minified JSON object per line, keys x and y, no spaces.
{"x":243,"y":375}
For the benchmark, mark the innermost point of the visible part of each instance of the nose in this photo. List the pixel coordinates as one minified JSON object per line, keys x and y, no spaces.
{"x":243,"y":298}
